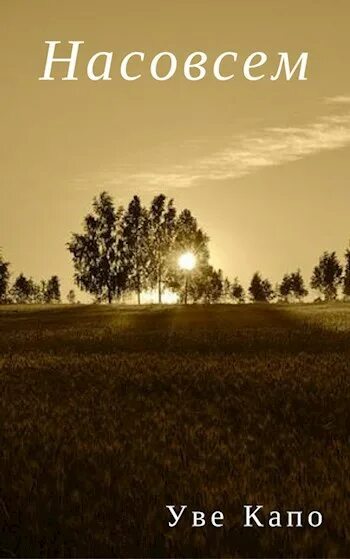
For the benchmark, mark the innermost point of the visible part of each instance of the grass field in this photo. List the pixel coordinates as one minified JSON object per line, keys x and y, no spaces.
{"x":109,"y":414}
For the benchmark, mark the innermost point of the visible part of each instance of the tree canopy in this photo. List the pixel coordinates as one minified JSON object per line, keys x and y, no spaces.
{"x":260,"y":289}
{"x":139,"y":251}
{"x":327,"y":276}
{"x":97,"y":253}
{"x":4,"y":277}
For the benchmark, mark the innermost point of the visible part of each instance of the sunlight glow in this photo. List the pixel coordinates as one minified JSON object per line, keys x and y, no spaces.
{"x":168,"y":297}
{"x":187,"y":261}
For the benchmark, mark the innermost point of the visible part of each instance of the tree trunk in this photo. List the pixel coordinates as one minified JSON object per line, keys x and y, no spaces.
{"x":139,"y":289}
{"x":160,"y":287}
{"x":110,"y":298}
{"x":160,"y":290}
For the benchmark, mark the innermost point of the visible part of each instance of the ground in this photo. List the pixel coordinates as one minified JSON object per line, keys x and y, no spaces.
{"x":107,"y":414}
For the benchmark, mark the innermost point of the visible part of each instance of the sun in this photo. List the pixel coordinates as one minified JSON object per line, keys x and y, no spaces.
{"x":187,"y":261}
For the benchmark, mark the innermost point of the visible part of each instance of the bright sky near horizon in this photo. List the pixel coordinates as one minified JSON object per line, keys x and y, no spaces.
{"x":264,"y":166}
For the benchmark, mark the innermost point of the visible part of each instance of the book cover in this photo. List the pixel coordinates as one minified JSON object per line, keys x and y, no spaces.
{"x":174,"y":278}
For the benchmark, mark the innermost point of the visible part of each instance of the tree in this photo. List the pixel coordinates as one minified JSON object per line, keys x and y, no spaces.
{"x":285,"y":287}
{"x":226,"y":290}
{"x":162,"y":222}
{"x":292,"y":285}
{"x":237,"y":292}
{"x":71,"y":297}
{"x":52,"y":292}
{"x":346,"y":281}
{"x":23,"y":290}
{"x":260,"y":290}
{"x":136,"y":240}
{"x":298,"y":287}
{"x":188,"y":238}
{"x":98,"y":252}
{"x":207,"y":286}
{"x":327,"y":276}
{"x":214,"y":286}
{"x":39,"y":292}
{"x":4,"y":278}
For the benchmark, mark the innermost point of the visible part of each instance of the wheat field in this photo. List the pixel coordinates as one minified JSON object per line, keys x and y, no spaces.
{"x":108,"y":413}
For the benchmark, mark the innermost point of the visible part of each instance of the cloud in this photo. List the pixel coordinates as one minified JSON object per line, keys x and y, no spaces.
{"x":245,"y":154}
{"x":337,"y":100}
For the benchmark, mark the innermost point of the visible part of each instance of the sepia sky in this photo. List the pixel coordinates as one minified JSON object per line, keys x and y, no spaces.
{"x":264,"y":166}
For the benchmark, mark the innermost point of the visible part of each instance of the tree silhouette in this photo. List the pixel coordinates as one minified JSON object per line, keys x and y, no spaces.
{"x":237,"y":291}
{"x":226,"y":290}
{"x":136,"y":245}
{"x":346,"y":283}
{"x":23,"y":290}
{"x":292,"y":285}
{"x":327,"y":276}
{"x":98,"y":253}
{"x":214,"y":286}
{"x":298,"y":287}
{"x":4,"y":277}
{"x":207,"y":286}
{"x":285,"y":287}
{"x":188,"y":237}
{"x":39,"y":292}
{"x":260,"y":290}
{"x":53,"y":290}
{"x":162,"y":223}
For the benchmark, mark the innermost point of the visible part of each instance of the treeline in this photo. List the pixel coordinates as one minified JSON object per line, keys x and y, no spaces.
{"x":122,"y":253}
{"x":136,"y":250}
{"x":26,"y":290}
{"x":329,"y":278}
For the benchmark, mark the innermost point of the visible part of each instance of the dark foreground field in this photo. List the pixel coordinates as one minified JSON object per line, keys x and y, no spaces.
{"x":109,"y":414}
